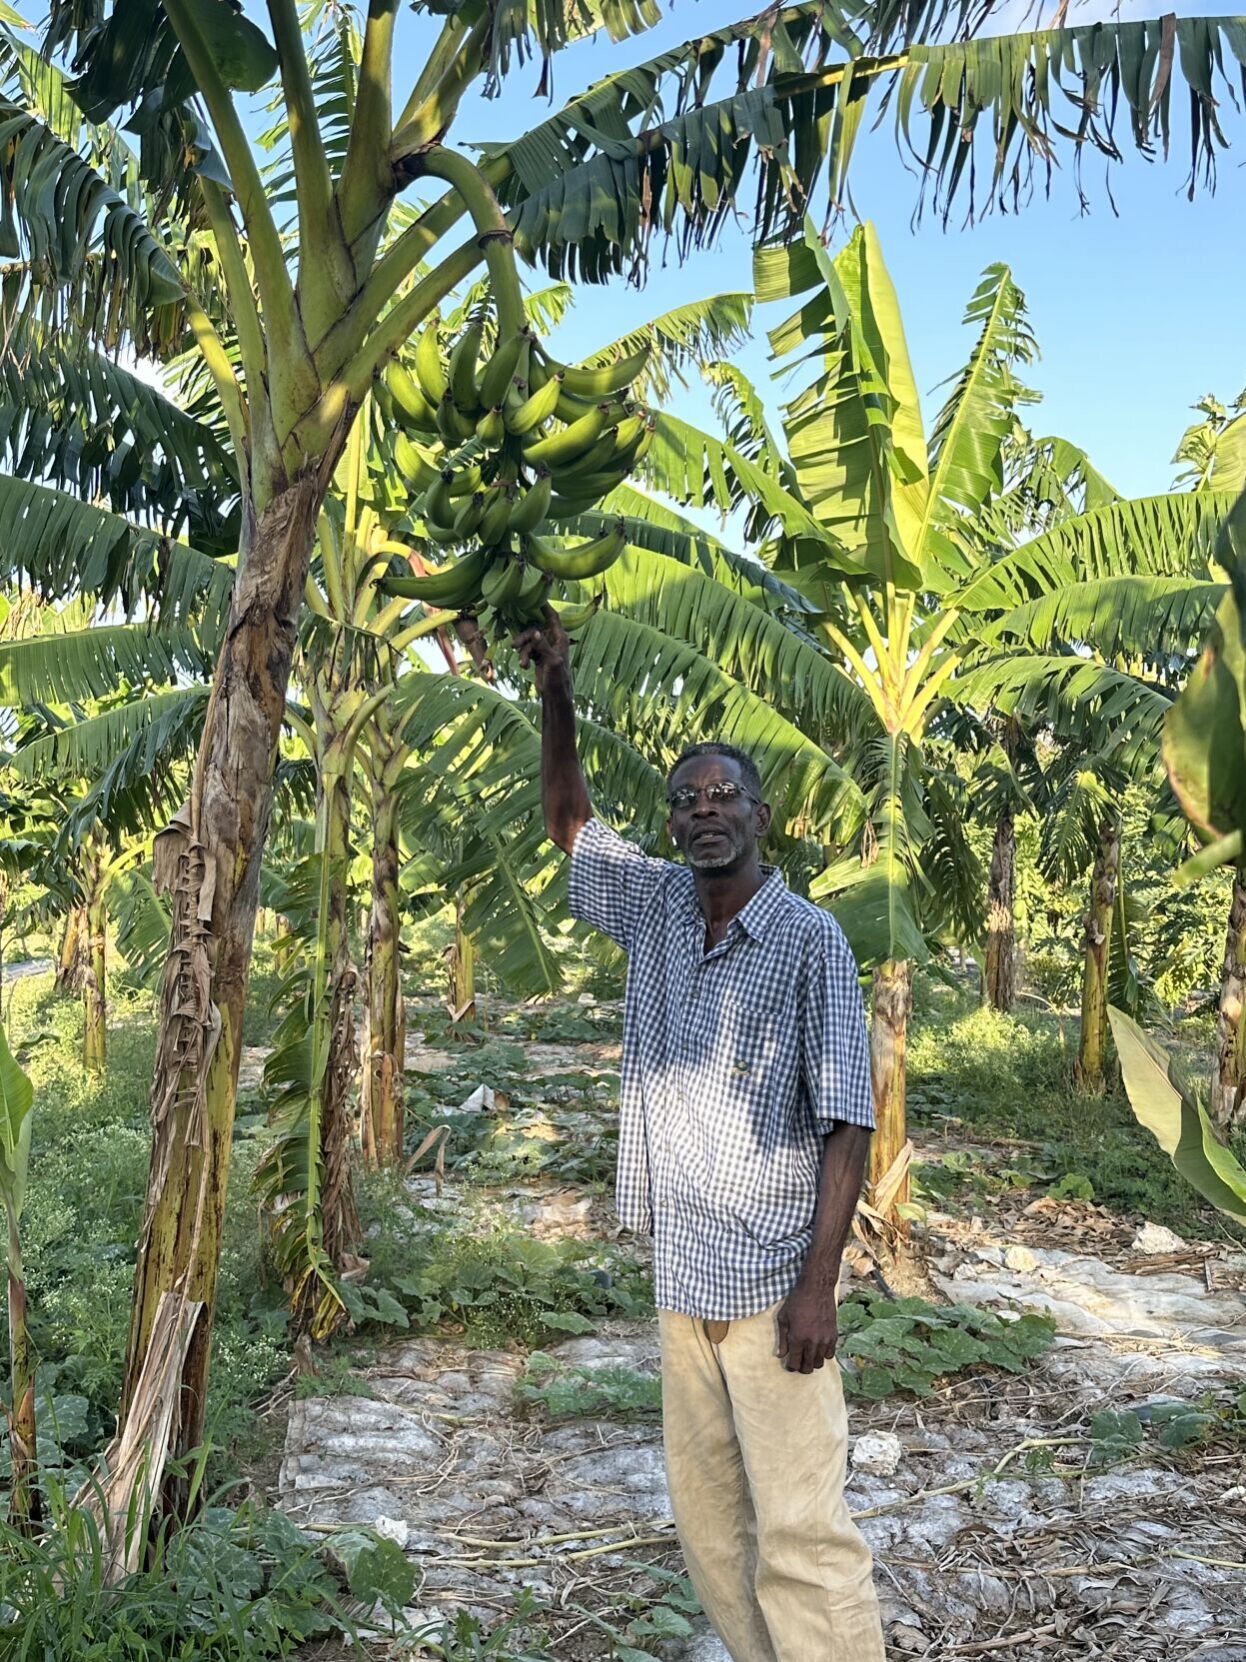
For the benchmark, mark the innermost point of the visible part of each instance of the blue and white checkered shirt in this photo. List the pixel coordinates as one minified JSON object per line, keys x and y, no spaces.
{"x":737,"y":1062}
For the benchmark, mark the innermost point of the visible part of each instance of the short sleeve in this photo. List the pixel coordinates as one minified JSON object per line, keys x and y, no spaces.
{"x":835,"y":1049}
{"x":612,"y":882}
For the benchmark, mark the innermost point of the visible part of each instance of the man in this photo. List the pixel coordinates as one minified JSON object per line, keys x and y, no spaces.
{"x":746,"y":1113}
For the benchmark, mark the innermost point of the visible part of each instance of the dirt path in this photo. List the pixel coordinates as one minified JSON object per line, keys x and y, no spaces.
{"x":1000,"y":1529}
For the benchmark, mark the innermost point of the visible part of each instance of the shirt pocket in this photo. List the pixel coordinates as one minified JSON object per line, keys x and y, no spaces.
{"x":751,"y":1114}
{"x":750,"y":1046}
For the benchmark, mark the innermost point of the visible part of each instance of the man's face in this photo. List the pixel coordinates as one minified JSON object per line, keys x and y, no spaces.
{"x":715,"y":836}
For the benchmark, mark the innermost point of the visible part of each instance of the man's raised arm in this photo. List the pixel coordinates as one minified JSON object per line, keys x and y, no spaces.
{"x":564,"y":794}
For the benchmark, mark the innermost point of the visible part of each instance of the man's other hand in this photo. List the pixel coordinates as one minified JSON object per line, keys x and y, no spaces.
{"x":808,"y":1328}
{"x":545,"y":650}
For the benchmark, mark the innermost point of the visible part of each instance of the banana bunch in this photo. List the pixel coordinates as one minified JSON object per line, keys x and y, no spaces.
{"x":496,"y":450}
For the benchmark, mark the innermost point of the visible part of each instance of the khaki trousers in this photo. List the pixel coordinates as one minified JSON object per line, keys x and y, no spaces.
{"x":755,"y":1459}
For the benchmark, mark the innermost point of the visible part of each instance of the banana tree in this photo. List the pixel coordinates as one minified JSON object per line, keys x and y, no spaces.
{"x":312,"y":317}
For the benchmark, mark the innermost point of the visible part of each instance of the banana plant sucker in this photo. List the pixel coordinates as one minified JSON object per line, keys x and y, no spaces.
{"x":97,"y":866}
{"x":1090,"y":1068}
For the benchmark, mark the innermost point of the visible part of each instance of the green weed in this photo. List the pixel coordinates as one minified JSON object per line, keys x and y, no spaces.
{"x":589,"y":1393}
{"x":230,"y":1587}
{"x":907,"y":1344}
{"x":88,"y":1178}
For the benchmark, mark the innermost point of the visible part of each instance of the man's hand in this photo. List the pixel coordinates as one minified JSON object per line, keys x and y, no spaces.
{"x":808,"y":1326}
{"x":547,"y":649}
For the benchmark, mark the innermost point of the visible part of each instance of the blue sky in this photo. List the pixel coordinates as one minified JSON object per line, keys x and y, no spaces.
{"x":1137,"y":315}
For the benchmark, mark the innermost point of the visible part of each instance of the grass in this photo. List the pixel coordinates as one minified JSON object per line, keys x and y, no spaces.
{"x":88,"y":1174}
{"x":974,"y":1071}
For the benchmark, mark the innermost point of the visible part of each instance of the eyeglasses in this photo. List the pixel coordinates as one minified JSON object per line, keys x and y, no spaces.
{"x":720,"y":792}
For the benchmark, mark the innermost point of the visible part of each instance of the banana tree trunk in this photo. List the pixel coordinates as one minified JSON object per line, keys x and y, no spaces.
{"x":95,"y":976}
{"x":462,"y":971}
{"x":208,"y":859}
{"x":24,"y":1503}
{"x":340,"y":1220}
{"x":69,"y":960}
{"x":999,"y":978}
{"x":382,"y":1127}
{"x":1090,"y":1070}
{"x":1227,"y":1104}
{"x":893,"y":999}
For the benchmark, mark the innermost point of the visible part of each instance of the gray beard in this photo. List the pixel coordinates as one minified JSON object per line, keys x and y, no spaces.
{"x":711,"y":862}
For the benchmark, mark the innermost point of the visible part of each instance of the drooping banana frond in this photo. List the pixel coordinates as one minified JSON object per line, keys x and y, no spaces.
{"x":1171,"y":536}
{"x":73,"y":417}
{"x":1080,"y":700}
{"x":1150,"y":618}
{"x":88,"y":255}
{"x":63,"y":547}
{"x":872,"y":892}
{"x":994,"y":111}
{"x":752,"y":647}
{"x":289,"y":1178}
{"x":147,"y":730}
{"x":85,"y":664}
{"x":950,"y":871}
{"x":649,"y":149}
{"x":1070,"y":827}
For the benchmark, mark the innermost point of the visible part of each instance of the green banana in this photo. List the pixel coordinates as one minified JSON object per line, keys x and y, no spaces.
{"x":535,"y":410}
{"x":628,"y":433}
{"x":452,"y":424}
{"x":412,"y":463}
{"x":575,"y":617}
{"x":499,"y":372}
{"x":435,"y":531}
{"x":462,"y":369}
{"x":574,"y":564}
{"x":570,"y":409}
{"x":466,"y":480}
{"x":605,"y":380}
{"x":496,"y":519}
{"x":437,"y":505}
{"x":502,"y":583}
{"x":532,"y":591}
{"x":541,"y":367}
{"x":452,"y":585}
{"x":589,"y":488}
{"x":491,"y":428}
{"x":594,"y":459}
{"x":411,"y":407}
{"x":429,"y":370}
{"x":559,"y":449}
{"x":469,"y":516}
{"x":533,"y":505}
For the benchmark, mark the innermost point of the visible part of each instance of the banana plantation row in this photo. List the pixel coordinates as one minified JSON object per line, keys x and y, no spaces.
{"x":272,"y":595}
